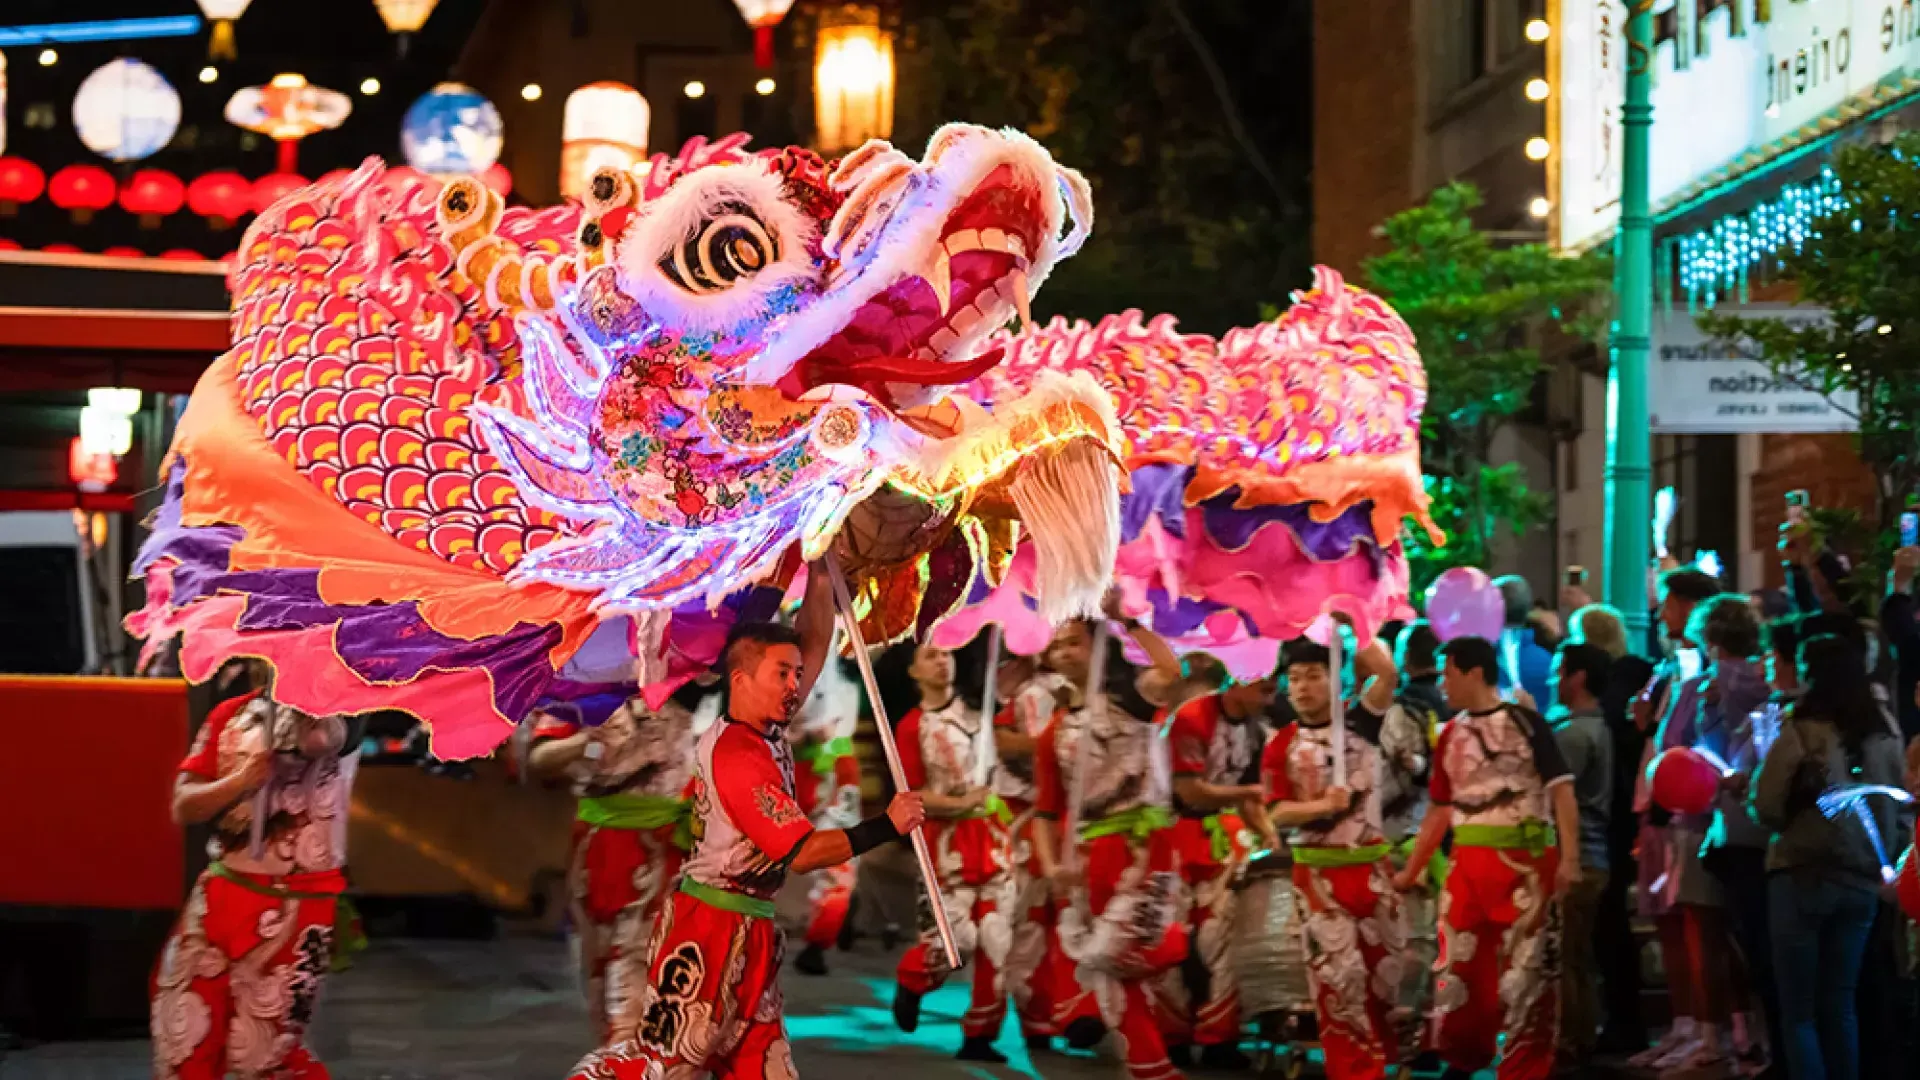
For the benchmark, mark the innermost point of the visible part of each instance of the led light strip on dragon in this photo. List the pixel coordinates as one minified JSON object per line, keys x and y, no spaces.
{"x":461,"y":457}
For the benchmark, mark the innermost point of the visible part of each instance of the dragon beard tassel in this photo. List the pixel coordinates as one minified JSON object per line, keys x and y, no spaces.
{"x":1069,"y":503}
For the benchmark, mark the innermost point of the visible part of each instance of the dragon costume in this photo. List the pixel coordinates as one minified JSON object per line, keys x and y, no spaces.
{"x":1271,"y":470}
{"x":453,"y":442}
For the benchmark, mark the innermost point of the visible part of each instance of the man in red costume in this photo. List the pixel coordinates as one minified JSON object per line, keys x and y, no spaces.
{"x":1126,"y":935}
{"x":1032,"y":699}
{"x":1354,"y":936}
{"x":237,"y":982}
{"x":714,"y":1002}
{"x":1216,"y":750}
{"x":827,"y":774}
{"x":942,"y":748}
{"x":630,"y":774}
{"x":1501,"y":785}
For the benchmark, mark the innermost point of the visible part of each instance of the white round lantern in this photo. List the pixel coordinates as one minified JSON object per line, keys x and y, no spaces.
{"x":126,"y":111}
{"x":605,"y":124}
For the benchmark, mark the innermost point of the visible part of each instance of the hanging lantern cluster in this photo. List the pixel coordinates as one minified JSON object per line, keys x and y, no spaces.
{"x":287,"y":110}
{"x":152,"y":194}
{"x":763,"y":16}
{"x":853,"y":78}
{"x":604,"y":126}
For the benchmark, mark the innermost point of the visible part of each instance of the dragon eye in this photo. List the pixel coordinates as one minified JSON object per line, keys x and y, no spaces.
{"x":722,"y":251}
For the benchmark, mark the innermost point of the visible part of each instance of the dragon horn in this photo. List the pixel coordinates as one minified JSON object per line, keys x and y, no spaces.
{"x":511,"y":279}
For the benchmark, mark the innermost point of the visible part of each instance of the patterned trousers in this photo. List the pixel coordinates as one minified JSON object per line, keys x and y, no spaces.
{"x":1356,"y":956}
{"x":1033,"y":957}
{"x":829,"y":897}
{"x":236,"y":984}
{"x":620,"y":879}
{"x":972,"y":857}
{"x":1206,"y":873}
{"x":1130,"y":941}
{"x":1499,"y":969}
{"x":712,"y":1003}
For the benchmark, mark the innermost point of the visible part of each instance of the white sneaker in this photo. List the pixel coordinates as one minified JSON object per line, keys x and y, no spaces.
{"x":1686,"y":1049}
{"x":1674,"y":1037}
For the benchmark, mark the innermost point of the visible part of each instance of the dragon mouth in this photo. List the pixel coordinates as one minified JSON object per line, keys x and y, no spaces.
{"x":921,"y":330}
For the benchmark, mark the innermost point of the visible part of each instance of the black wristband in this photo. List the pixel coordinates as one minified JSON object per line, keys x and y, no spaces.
{"x":871,"y":833}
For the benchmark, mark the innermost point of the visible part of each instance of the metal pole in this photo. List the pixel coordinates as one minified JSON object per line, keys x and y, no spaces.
{"x":843,"y":600}
{"x":1337,"y":704}
{"x":1096,"y":706}
{"x":985,"y":750}
{"x":1629,"y":442}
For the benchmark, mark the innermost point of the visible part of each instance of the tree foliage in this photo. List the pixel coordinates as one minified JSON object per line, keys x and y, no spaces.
{"x":1862,"y":264}
{"x":1476,"y":308}
{"x":1187,"y":116}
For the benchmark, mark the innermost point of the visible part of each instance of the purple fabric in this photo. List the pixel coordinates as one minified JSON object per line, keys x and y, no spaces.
{"x":589,"y":704}
{"x":1160,"y":491}
{"x":1177,"y":617}
{"x":1681,"y":727}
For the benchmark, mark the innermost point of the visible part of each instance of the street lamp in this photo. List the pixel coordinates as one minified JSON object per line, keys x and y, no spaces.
{"x":1629,"y":438}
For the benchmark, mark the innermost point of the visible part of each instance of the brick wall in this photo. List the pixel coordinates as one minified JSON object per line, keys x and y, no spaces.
{"x":1825,"y":466}
{"x":1365,"y":117}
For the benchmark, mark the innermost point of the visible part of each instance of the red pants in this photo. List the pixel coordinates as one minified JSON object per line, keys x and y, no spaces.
{"x":1499,"y":945}
{"x":1208,"y":881}
{"x":236,"y":984}
{"x":712,"y":1003}
{"x":1355,"y":954}
{"x":830,"y":895}
{"x":1130,"y":941}
{"x":972,"y":856}
{"x":1034,"y":957}
{"x":620,"y":880}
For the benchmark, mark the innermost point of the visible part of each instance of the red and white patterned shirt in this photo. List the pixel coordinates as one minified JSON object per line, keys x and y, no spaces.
{"x":1297,"y":766}
{"x":296,"y":822}
{"x":641,"y":752}
{"x":939,"y":748}
{"x":1126,"y":764}
{"x":1029,"y":713}
{"x":1495,"y":768}
{"x":748,"y":826}
{"x":1211,"y":746}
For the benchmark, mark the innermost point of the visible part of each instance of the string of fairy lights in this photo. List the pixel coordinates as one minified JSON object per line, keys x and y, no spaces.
{"x":1716,"y":260}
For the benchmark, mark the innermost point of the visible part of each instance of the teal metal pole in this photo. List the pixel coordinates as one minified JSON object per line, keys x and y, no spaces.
{"x":1629,"y":441}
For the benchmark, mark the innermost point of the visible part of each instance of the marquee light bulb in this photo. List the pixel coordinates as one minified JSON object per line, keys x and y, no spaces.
{"x":1540,"y":207}
{"x":696,"y":89}
{"x":1537,"y":90}
{"x":1538,"y":30}
{"x":1538,"y":148}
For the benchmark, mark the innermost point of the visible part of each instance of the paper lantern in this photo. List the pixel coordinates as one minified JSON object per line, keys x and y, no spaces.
{"x":152,"y":194}
{"x":498,"y":179}
{"x":273,"y":187}
{"x":21,"y":181}
{"x":287,"y":110}
{"x":81,"y":190}
{"x":604,"y":126}
{"x":763,"y":16}
{"x":452,"y":130}
{"x":103,"y":431}
{"x":404,"y":16}
{"x":182,"y":255}
{"x":222,"y":13}
{"x":121,"y":251}
{"x":89,"y":470}
{"x":220,"y":197}
{"x":126,"y":111}
{"x":1683,"y":781}
{"x":852,"y":79}
{"x":9,"y":245}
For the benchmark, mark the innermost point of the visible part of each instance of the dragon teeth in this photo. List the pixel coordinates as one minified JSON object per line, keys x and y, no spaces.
{"x":1022,"y":303}
{"x":939,"y":275}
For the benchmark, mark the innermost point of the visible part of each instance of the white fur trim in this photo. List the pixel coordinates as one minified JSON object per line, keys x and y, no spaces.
{"x":674,"y":218}
{"x":909,"y":236}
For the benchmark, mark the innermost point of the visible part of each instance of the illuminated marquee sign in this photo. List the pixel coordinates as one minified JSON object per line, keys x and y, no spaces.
{"x":1730,"y":77}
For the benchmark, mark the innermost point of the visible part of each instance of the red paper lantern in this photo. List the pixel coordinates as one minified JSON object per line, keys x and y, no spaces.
{"x":1683,"y":781}
{"x":273,"y":187}
{"x":183,"y":255}
{"x":20,"y":181}
{"x":121,"y":251}
{"x":90,"y":472}
{"x":61,"y":249}
{"x":9,"y":245}
{"x":220,"y":197}
{"x":499,"y":179}
{"x":152,"y":194}
{"x":81,"y":190}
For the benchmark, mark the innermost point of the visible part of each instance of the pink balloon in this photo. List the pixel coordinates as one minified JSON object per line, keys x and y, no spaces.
{"x":1683,"y":781}
{"x":1463,"y":602}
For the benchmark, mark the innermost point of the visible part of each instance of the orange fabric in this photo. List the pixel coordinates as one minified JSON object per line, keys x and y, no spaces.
{"x":234,"y":476}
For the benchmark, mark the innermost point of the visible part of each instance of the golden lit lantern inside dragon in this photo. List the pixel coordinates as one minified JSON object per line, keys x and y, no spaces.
{"x":459,"y":450}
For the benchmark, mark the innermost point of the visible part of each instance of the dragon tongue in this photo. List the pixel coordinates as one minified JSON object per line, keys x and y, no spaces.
{"x":873,"y":374}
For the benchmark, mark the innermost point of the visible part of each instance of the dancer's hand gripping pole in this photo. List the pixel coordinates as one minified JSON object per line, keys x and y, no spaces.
{"x":843,"y":601}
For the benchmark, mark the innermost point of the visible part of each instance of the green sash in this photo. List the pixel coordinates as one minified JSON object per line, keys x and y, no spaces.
{"x":821,"y":756}
{"x":727,"y":899}
{"x":640,"y":813}
{"x":1137,"y":823}
{"x":1327,"y":857}
{"x":1533,"y":835}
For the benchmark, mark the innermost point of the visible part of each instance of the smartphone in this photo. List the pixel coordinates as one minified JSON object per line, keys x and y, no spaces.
{"x":1576,"y":576}
{"x":1909,"y":529}
{"x":1797,"y":503}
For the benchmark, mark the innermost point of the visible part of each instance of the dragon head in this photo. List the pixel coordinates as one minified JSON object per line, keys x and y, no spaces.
{"x":748,"y":349}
